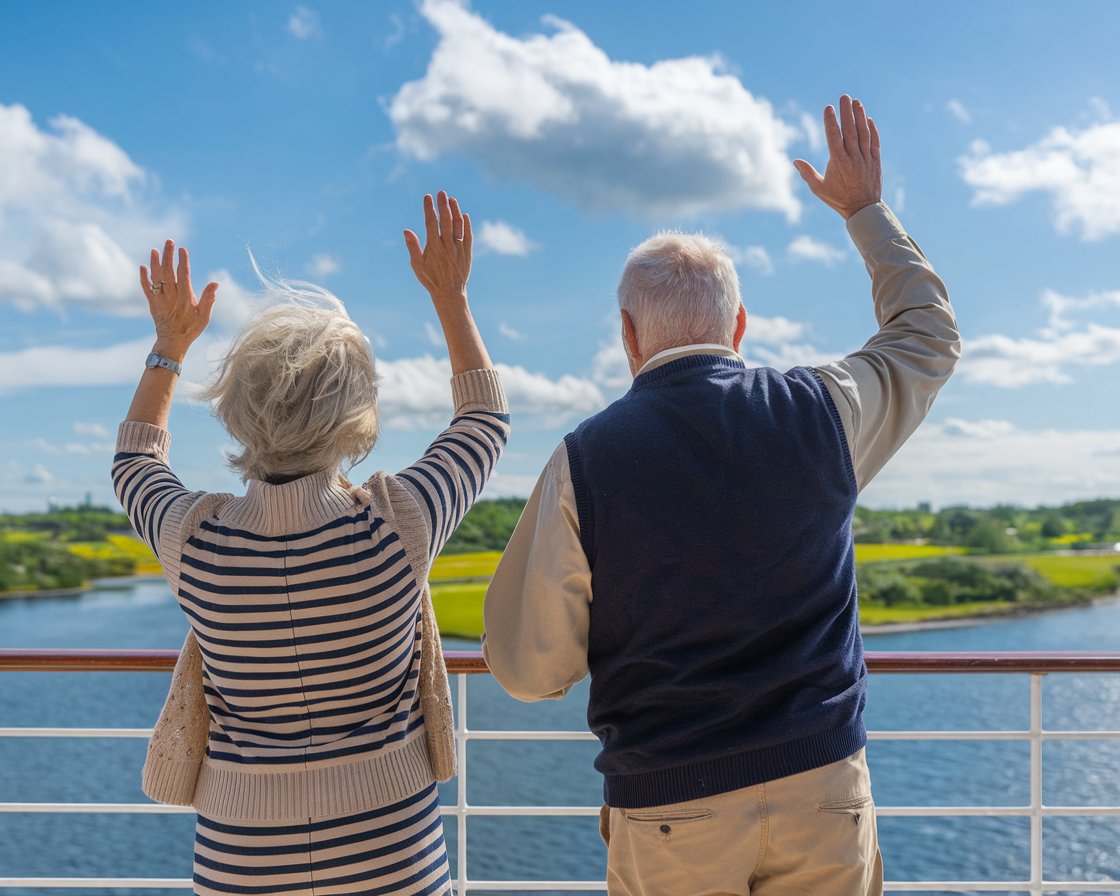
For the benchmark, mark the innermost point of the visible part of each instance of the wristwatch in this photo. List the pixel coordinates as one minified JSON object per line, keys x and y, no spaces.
{"x":154,"y":360}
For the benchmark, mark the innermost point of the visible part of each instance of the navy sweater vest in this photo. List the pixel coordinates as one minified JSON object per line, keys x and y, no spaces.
{"x":715,"y":506}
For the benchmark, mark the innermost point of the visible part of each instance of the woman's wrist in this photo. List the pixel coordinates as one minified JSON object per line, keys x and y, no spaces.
{"x":174,"y":350}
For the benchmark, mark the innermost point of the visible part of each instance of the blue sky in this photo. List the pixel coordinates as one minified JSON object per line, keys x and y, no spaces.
{"x":570,"y":131}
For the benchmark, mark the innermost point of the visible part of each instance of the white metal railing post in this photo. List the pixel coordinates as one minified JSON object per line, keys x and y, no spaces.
{"x":1036,"y":784}
{"x":461,"y":787}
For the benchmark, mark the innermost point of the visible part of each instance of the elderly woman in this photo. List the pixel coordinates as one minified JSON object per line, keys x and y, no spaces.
{"x":307,"y":596}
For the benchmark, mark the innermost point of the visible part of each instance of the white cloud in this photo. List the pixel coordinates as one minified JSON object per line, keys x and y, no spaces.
{"x":805,"y":248}
{"x":1055,"y":350}
{"x":510,"y":332}
{"x":610,"y":368}
{"x":1060,"y":305}
{"x":435,"y":337}
{"x":39,"y":475}
{"x":503,"y":238}
{"x":323,"y":265}
{"x":986,"y":462}
{"x":395,"y":33}
{"x":675,"y":138}
{"x":414,"y":393}
{"x":1011,"y":363}
{"x":811,"y":125}
{"x":304,"y":24}
{"x":773,"y":330}
{"x":959,"y":112}
{"x":72,"y":225}
{"x":1079,"y":169}
{"x":754,"y":257}
{"x":91,"y":429}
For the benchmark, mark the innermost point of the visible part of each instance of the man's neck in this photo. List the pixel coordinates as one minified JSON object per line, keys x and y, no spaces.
{"x":683,"y":351}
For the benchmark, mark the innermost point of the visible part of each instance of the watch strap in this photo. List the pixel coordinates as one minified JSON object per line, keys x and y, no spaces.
{"x":157,"y":360}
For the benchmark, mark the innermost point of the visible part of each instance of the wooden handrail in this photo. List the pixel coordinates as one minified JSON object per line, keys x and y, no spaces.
{"x":471,"y":662}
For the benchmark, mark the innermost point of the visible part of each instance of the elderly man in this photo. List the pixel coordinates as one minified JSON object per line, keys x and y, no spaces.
{"x":691,"y":547}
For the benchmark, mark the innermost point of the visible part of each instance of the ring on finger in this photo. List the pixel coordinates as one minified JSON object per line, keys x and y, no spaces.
{"x":157,"y":286}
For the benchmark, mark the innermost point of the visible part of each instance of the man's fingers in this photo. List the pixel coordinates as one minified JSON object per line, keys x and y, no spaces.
{"x":848,"y":125}
{"x":874,"y":138}
{"x":809,"y":174}
{"x":431,"y":222}
{"x":832,"y":133}
{"x":862,"y":131}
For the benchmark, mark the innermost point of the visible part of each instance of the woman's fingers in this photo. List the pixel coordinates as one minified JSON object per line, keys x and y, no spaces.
{"x":456,"y":219}
{"x":183,"y":274}
{"x":445,"y":226}
{"x":468,"y":234}
{"x":431,"y":222}
{"x":206,"y":302}
{"x":167,"y":268}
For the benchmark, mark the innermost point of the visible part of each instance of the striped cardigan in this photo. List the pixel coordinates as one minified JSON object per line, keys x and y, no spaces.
{"x":306,"y":602}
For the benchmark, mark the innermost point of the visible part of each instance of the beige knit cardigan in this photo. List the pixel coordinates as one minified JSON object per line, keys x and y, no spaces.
{"x":177,"y":749}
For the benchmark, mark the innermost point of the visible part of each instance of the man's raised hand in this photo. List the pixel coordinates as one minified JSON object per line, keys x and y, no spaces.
{"x":853,"y":178}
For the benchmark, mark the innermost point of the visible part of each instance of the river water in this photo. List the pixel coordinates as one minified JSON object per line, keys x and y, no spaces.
{"x":144,"y":615}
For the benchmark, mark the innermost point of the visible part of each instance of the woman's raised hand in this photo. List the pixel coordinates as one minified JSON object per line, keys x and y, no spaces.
{"x":443,"y":266}
{"x":179,"y":317}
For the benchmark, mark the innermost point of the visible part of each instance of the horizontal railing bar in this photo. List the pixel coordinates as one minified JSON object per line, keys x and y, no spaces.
{"x":579,"y":811}
{"x":143,"y":733}
{"x":501,"y":734}
{"x":471,"y":662}
{"x":994,"y":734}
{"x":950,"y":886}
{"x":97,"y":883}
{"x":98,"y":808}
{"x":518,"y":735}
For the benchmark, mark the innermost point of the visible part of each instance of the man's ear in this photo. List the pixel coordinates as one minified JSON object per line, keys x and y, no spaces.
{"x":630,"y":343}
{"x":740,"y":327}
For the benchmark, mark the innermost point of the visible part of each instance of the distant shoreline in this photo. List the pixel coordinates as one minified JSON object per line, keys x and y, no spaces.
{"x":94,"y":585}
{"x":884,"y":628}
{"x":982,"y":618}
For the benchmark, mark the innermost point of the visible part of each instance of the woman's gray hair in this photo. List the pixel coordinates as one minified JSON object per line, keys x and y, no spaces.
{"x":297,"y":388}
{"x":679,"y":289}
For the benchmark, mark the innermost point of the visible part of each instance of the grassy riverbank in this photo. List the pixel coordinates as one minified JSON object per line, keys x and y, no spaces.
{"x":459,"y":585}
{"x":900,"y":584}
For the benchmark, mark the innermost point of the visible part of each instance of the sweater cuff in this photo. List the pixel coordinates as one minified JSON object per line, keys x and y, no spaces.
{"x":479,"y":390}
{"x":143,"y":438}
{"x":873,"y":225}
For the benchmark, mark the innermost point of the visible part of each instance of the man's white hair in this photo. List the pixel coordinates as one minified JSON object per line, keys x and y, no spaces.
{"x":297,"y":389}
{"x":680,"y":288}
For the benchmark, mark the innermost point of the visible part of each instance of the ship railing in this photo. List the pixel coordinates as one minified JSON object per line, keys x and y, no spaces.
{"x":462,"y":664}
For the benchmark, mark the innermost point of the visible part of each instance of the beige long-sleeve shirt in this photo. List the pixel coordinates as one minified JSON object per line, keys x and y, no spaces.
{"x":537,"y":607}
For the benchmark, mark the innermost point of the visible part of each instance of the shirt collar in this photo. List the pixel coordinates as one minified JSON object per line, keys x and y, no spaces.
{"x":683,"y":351}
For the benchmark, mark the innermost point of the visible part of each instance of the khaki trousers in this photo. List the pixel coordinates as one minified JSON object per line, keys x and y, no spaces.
{"x":813,"y":833}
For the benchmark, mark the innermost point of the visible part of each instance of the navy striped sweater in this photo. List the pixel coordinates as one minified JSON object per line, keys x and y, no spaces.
{"x":307,"y":610}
